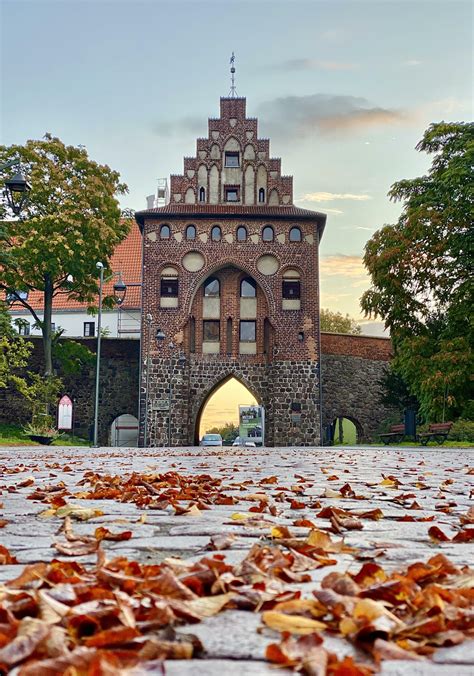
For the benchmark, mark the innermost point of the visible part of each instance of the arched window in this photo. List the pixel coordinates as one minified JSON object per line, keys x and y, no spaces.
{"x":191,"y":232}
{"x":165,"y":232}
{"x":295,"y":234}
{"x":169,"y":287}
{"x":248,"y":288}
{"x":261,"y":195}
{"x":216,"y":234}
{"x":202,"y":194}
{"x":212,"y":287}
{"x":267,"y":234}
{"x":291,"y":289}
{"x":241,"y":234}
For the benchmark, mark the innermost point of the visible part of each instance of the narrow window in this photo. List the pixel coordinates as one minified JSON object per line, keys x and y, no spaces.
{"x":301,"y":336}
{"x":248,"y":331}
{"x":229,"y":336}
{"x":212,"y":287}
{"x":268,"y":234}
{"x":241,"y":234}
{"x":89,"y":329}
{"x":192,"y":335}
{"x":216,"y":234}
{"x":202,"y":194}
{"x":295,"y":235}
{"x":291,"y":289}
{"x":261,"y":195}
{"x":248,"y":288}
{"x":169,"y":287}
{"x":211,"y":331}
{"x":53,"y":327}
{"x":232,"y":194}
{"x":232,"y":159}
{"x":190,"y":232}
{"x":165,"y":232}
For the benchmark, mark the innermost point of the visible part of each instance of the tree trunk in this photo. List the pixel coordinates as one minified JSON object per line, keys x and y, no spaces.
{"x":46,"y":329}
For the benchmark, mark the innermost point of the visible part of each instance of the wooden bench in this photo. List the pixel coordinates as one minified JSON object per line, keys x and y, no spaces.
{"x":395,"y":434}
{"x":436,"y":431}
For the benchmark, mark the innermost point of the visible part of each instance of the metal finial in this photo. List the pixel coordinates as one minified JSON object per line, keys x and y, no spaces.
{"x":233,"y":90}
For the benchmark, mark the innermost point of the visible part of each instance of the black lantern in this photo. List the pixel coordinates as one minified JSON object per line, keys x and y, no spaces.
{"x":120,"y":290}
{"x":160,"y":336}
{"x":17,"y":189}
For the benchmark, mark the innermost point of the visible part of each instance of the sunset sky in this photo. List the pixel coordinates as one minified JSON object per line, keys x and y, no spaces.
{"x":344,"y":90}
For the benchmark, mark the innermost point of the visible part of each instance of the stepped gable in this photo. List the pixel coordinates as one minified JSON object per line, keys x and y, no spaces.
{"x":232,"y":156}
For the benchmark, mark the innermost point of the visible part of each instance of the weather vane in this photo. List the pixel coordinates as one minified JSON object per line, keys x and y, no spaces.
{"x":233,"y":91}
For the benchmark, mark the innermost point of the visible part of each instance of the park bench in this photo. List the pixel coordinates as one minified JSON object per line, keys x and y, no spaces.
{"x":395,"y":434}
{"x":436,"y":431}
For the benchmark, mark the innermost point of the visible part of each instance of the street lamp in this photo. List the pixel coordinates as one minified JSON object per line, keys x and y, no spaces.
{"x":16,"y":188}
{"x":160,"y":337}
{"x":120,"y":291}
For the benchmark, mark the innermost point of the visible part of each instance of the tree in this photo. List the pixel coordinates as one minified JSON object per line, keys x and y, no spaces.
{"x":228,"y":431}
{"x":14,"y":352}
{"x":70,"y":222}
{"x":420,"y":270}
{"x":338,"y":323}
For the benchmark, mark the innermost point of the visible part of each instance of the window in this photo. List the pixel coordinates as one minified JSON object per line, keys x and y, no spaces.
{"x":229,"y":336}
{"x":53,"y":327}
{"x":211,"y":331}
{"x":14,"y":296}
{"x":23,"y":327}
{"x":192,"y":335}
{"x":165,"y":232}
{"x":266,"y":336}
{"x":248,"y":331}
{"x":295,"y":235}
{"x":232,"y":160}
{"x":169,"y":287}
{"x":261,"y":195}
{"x":216,"y":234}
{"x":267,"y":234}
{"x":248,"y":288}
{"x":202,"y":194}
{"x":191,"y":232}
{"x":89,"y":329}
{"x":291,"y":289}
{"x":212,"y":287}
{"x":231,"y":194}
{"x":241,"y":234}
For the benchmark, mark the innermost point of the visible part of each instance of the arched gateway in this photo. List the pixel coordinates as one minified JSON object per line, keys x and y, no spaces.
{"x":239,"y":298}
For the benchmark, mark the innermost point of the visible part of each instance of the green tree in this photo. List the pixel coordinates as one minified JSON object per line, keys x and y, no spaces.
{"x":228,"y":431}
{"x":14,"y":352}
{"x":71,"y":221}
{"x":421,"y":271}
{"x":338,"y":323}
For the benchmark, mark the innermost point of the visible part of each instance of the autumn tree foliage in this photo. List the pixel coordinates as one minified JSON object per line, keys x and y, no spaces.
{"x":420,"y":270}
{"x":14,"y":351}
{"x":336,"y":322}
{"x":71,"y":221}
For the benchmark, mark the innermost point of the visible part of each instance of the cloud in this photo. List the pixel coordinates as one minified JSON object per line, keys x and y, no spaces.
{"x":313,"y":64}
{"x":300,"y":116}
{"x":411,"y":62}
{"x":343,"y":265}
{"x":186,"y":125}
{"x":332,"y":196}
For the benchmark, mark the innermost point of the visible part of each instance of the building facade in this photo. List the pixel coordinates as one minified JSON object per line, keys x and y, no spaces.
{"x":230,"y":289}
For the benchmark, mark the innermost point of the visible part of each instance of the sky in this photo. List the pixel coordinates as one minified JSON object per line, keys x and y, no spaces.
{"x":344,"y":89}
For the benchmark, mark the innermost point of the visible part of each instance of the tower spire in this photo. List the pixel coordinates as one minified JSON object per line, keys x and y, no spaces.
{"x":233,"y":90}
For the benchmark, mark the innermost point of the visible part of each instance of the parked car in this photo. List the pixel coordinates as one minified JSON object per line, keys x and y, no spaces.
{"x":211,"y":440}
{"x":240,"y":442}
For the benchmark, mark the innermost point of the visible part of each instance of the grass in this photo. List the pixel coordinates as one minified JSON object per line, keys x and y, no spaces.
{"x":13,"y":435}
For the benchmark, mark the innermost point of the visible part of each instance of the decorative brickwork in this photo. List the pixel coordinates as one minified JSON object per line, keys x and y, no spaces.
{"x":242,"y":212}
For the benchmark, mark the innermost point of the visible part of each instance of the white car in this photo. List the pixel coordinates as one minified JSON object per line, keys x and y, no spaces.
{"x":211,"y":440}
{"x":248,"y":444}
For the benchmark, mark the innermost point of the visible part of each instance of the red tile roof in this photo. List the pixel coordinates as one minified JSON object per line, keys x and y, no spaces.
{"x":127,"y":259}
{"x":256,"y":211}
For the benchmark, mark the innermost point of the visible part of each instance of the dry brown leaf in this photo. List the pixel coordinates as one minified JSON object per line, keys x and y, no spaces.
{"x":295,"y":624}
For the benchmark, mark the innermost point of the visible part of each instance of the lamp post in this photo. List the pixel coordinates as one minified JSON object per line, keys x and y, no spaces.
{"x":16,"y":188}
{"x":120,"y":291}
{"x":160,"y":337}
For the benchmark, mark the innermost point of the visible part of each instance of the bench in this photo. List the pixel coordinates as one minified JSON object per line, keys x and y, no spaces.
{"x":395,"y":434}
{"x":436,"y":431}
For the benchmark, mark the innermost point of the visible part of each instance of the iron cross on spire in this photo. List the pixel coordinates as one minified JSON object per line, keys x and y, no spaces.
{"x":233,"y":90}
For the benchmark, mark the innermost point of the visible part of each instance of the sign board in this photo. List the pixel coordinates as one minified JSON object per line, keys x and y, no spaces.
{"x":160,"y":405}
{"x":65,"y":413}
{"x":252,"y":423}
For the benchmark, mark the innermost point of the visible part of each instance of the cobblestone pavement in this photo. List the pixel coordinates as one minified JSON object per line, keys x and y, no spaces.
{"x":235,"y":640}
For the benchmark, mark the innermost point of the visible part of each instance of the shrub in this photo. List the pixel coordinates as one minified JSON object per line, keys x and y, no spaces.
{"x":462,"y":430}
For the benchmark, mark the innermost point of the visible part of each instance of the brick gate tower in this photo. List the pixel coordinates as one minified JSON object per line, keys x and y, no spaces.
{"x":230,"y":289}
